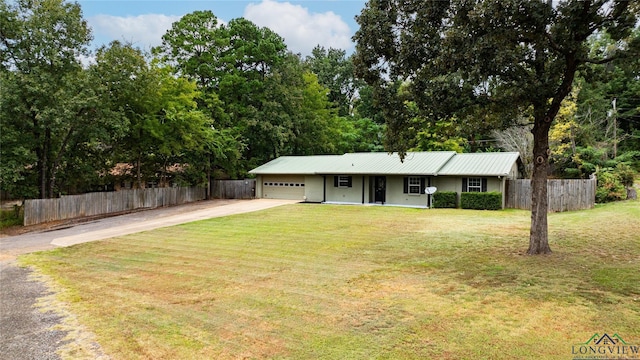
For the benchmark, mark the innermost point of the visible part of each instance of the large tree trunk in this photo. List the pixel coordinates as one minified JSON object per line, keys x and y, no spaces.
{"x":539,"y":236}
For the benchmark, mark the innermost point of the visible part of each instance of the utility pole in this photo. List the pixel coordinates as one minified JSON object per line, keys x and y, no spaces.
{"x":615,"y":129}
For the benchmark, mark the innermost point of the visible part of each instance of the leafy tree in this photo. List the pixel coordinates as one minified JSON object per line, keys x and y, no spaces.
{"x":583,"y":137}
{"x":167,"y":129}
{"x":366,"y":107}
{"x":335,"y":71}
{"x":563,"y":139}
{"x":195,"y":45}
{"x":467,"y":57}
{"x":369,"y":135}
{"x":131,"y":87}
{"x":314,"y":128}
{"x":254,"y":88}
{"x":439,"y":136}
{"x":47,"y":98}
{"x":618,"y":84}
{"x":16,"y":176}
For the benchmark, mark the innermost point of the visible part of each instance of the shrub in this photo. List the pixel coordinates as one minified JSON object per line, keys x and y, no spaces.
{"x":11,"y":217}
{"x":610,"y":187}
{"x":445,"y":199}
{"x":625,"y":173}
{"x":481,"y":200}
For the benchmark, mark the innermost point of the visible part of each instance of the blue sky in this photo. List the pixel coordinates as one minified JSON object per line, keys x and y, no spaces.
{"x":303,"y":24}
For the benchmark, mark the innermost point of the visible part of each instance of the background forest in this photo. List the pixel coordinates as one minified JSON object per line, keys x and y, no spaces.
{"x":216,"y":100}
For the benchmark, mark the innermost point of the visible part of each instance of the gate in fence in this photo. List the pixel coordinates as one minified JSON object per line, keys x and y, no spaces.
{"x":234,"y":189}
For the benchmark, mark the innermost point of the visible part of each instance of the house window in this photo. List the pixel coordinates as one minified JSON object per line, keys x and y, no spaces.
{"x":414,"y":185}
{"x":474,"y":184}
{"x":342,"y":181}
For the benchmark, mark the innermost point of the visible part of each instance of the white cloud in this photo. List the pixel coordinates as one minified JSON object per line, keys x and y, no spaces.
{"x":301,"y":30}
{"x":86,"y":61}
{"x":143,"y":31}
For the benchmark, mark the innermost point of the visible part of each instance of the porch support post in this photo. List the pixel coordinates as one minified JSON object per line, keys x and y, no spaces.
{"x":324,"y":188}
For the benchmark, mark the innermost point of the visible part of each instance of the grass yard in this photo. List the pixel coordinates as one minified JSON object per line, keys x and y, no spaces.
{"x":355,"y":282}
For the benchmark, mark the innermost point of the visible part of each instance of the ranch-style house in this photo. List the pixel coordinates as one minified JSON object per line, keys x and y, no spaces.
{"x":382,"y":178}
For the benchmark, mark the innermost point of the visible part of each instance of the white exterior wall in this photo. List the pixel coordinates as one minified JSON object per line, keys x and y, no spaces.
{"x":493,"y":184}
{"x":314,"y":188}
{"x":447,"y":183}
{"x":259,"y":187}
{"x":345,"y":195}
{"x":450,"y":183}
{"x":367,"y":190}
{"x":395,"y":195}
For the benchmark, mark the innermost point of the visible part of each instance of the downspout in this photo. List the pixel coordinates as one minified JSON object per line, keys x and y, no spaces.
{"x":363,"y":189}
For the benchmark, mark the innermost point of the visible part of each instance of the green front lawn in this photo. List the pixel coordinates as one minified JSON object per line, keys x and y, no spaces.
{"x":356,"y":282}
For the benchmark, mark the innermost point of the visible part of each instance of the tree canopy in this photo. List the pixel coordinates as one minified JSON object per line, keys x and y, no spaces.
{"x":45,"y":97}
{"x":473,"y":60}
{"x":214,"y":99}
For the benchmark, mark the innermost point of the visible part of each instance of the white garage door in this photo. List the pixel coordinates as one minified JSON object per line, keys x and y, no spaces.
{"x":283,"y":187}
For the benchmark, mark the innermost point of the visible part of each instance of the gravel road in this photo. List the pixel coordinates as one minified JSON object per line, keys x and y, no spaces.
{"x":26,"y":332}
{"x":33,"y":323}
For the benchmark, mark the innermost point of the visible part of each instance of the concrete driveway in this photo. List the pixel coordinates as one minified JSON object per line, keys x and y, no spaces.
{"x":128,"y":224}
{"x":26,"y":332}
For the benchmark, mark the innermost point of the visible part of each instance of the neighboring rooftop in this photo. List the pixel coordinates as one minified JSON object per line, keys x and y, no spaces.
{"x":430,"y":163}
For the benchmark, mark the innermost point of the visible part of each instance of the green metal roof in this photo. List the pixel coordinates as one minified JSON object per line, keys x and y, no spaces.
{"x":299,"y":165}
{"x":488,"y":164}
{"x":415,"y":163}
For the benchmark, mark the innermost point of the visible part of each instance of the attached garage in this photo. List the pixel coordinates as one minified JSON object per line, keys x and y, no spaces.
{"x":282,"y":187}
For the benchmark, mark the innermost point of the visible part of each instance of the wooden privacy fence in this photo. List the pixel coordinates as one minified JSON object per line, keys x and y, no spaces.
{"x":234,"y":189}
{"x":564,"y":194}
{"x":68,"y":207}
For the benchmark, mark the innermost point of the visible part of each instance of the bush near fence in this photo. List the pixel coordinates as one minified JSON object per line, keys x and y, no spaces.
{"x":92,"y":204}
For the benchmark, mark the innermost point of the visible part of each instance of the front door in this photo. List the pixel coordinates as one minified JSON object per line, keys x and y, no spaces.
{"x":380,"y":183}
